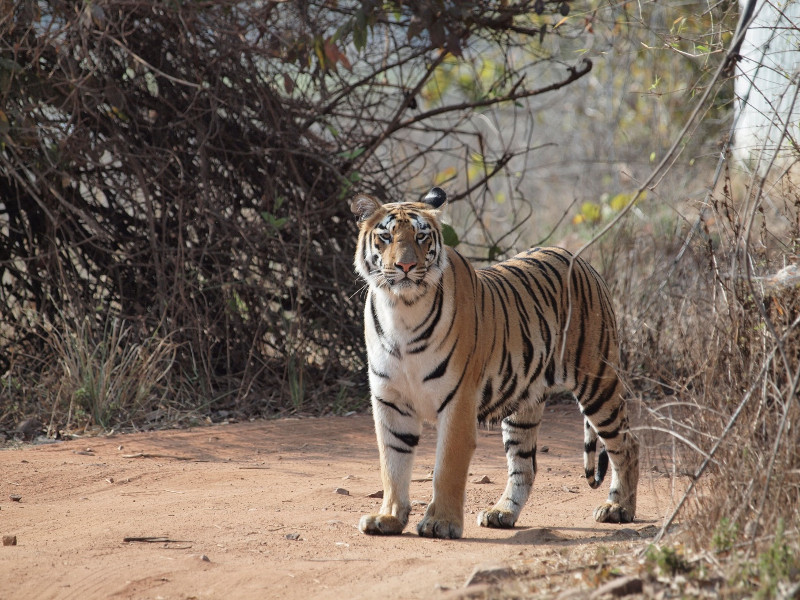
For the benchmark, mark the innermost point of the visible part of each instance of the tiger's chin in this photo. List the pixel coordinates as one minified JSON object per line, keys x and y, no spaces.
{"x":408,"y":291}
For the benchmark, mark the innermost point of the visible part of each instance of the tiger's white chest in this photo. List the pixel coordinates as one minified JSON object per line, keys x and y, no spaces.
{"x":408,"y":349}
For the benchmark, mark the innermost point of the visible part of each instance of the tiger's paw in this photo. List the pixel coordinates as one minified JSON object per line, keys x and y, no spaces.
{"x":441,"y":523}
{"x":439,"y":528}
{"x":497,"y":519}
{"x":612,"y":513}
{"x":381,"y":525}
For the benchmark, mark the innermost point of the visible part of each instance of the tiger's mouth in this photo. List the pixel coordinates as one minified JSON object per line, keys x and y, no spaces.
{"x":404,"y":283}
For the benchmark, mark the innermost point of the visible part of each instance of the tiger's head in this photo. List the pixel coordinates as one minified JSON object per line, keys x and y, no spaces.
{"x":400,"y":248}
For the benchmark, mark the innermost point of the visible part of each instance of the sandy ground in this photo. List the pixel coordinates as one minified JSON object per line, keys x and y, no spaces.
{"x":259,"y":510}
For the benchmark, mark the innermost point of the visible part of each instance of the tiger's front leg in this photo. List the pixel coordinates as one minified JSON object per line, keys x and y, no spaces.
{"x":457,"y":425}
{"x":397,"y":429}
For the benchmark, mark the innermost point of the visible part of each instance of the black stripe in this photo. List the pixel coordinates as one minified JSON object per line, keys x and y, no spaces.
{"x":393,"y":406}
{"x":516,"y":425}
{"x":442,"y":368}
{"x":452,"y":394}
{"x":393,"y":350}
{"x":579,"y":346}
{"x":527,"y":354}
{"x":611,"y":418}
{"x":398,"y":449}
{"x":530,"y":454}
{"x":436,"y":307}
{"x":436,"y":310}
{"x":376,"y":323}
{"x":538,"y":369}
{"x":595,"y":406}
{"x":508,"y":443}
{"x":503,"y":402}
{"x":447,"y":399}
{"x":487,"y":393}
{"x":608,"y":435}
{"x":541,"y":272}
{"x":558,"y":254}
{"x":408,"y":439}
{"x":378,"y":373}
{"x":549,"y":373}
{"x":602,"y":466}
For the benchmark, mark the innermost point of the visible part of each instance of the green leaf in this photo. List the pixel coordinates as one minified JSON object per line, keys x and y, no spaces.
{"x":449,"y":235}
{"x":351,"y":154}
{"x":273,"y":221}
{"x":360,"y":30}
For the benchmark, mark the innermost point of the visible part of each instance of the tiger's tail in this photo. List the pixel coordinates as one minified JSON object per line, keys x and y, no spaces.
{"x":594,"y":477}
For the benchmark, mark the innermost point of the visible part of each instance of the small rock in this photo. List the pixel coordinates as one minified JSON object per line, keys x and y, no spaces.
{"x":378,"y":494}
{"x":648,"y":531}
{"x":569,"y":489}
{"x":624,"y":586}
{"x":342,"y":491}
{"x":293,"y":536}
{"x":15,"y":497}
{"x":484,"y":479}
{"x":204,"y":558}
{"x":544,"y":449}
{"x":628,"y":532}
{"x":489,"y":574}
{"x":418,"y":503}
{"x":9,"y":540}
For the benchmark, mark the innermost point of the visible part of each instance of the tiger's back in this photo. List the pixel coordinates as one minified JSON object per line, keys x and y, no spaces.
{"x":448,"y":343}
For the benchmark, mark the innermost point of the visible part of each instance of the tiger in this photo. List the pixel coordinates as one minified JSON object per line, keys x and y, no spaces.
{"x":458,"y":346}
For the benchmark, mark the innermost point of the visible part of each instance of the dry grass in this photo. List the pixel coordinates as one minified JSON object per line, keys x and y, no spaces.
{"x":711,"y":331}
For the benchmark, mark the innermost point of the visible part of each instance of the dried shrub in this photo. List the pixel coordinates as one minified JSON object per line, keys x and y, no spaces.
{"x":182,"y":168}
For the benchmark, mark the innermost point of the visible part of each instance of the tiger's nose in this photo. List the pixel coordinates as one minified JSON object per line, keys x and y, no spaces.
{"x":406,"y":266}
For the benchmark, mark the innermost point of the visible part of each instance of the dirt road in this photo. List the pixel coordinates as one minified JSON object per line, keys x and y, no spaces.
{"x":261,"y":510}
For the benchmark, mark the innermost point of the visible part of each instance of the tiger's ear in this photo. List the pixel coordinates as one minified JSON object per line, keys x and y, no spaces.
{"x":436,"y":197}
{"x":363,"y":206}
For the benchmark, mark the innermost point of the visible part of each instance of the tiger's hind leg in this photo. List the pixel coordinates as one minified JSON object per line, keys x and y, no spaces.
{"x":520,"y":431}
{"x":607,"y":417}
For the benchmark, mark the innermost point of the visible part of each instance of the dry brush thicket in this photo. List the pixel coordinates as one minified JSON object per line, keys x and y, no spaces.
{"x":712,"y":322}
{"x":173,"y":191}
